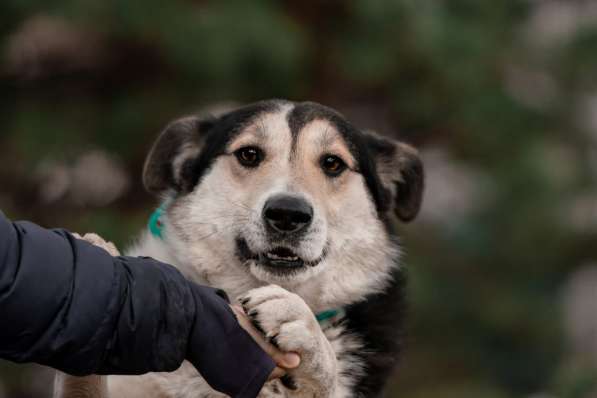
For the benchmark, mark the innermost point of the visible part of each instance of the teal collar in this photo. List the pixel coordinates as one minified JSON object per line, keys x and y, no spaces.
{"x":155,"y":223}
{"x":156,"y":227}
{"x":330,"y":316}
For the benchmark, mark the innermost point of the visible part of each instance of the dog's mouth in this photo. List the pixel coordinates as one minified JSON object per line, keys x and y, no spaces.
{"x":279,"y":258}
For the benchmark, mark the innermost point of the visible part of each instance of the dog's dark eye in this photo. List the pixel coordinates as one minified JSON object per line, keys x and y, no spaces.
{"x":249,"y":156}
{"x":332,"y":165}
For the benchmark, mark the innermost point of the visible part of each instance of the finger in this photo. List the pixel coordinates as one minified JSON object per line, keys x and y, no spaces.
{"x":276,"y":373}
{"x":287,"y":360}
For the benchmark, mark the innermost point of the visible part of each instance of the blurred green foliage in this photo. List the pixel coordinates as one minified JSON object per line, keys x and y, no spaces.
{"x":484,"y":81}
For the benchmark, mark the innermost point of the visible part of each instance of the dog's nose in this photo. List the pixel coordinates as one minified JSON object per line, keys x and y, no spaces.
{"x":287,"y":214}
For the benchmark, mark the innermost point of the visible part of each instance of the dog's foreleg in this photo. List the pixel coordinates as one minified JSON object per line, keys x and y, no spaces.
{"x":66,"y":386}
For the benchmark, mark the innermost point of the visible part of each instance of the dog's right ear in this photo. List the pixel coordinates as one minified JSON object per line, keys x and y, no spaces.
{"x":169,"y":163}
{"x":400,"y":170}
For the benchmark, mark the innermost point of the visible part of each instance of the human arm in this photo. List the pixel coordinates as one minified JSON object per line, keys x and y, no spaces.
{"x":68,"y":304}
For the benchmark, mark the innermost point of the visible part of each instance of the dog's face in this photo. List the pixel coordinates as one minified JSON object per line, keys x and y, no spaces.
{"x":284,"y":193}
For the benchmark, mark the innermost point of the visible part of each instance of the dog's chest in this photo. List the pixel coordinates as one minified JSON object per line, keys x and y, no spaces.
{"x":186,"y":383}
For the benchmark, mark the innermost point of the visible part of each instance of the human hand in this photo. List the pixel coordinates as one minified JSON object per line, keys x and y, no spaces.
{"x":283,"y":360}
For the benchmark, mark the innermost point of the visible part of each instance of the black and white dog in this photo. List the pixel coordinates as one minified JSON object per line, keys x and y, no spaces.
{"x":289,"y":207}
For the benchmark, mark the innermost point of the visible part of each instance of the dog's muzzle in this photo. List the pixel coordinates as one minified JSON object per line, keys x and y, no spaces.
{"x":286,"y":219}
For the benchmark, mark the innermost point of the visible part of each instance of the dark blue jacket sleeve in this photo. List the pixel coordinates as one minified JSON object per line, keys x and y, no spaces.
{"x":68,"y":304}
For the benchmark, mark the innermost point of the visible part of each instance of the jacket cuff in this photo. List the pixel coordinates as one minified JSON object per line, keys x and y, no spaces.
{"x":254,"y":386}
{"x":222,"y":351}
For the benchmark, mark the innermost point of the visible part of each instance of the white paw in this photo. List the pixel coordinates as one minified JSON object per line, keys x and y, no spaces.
{"x":288,"y":323}
{"x":98,"y":241}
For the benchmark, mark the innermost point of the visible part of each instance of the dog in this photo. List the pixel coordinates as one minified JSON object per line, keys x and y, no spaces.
{"x":290,"y":208}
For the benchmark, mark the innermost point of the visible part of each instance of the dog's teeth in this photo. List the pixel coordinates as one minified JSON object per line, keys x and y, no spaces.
{"x":273,"y":256}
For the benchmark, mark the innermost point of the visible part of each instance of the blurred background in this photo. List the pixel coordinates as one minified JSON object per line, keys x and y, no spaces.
{"x":501,"y":97}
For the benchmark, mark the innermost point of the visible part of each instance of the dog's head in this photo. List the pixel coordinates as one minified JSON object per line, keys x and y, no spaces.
{"x":285,"y":193}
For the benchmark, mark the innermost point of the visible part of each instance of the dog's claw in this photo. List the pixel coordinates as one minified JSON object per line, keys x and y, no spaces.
{"x":274,"y":341}
{"x":288,"y":382}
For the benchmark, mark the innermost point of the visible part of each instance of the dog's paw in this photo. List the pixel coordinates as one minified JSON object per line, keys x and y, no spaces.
{"x":290,"y":325}
{"x":283,"y":317}
{"x":98,"y":241}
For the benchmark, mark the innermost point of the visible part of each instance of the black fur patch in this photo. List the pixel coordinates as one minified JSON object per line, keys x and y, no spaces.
{"x":378,"y":321}
{"x":409,"y":193}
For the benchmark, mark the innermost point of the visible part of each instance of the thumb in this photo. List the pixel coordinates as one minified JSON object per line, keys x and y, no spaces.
{"x":286,"y":360}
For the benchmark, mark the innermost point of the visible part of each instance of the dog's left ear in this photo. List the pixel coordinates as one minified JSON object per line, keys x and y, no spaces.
{"x":400,"y":170}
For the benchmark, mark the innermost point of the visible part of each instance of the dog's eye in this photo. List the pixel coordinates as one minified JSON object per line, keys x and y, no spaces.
{"x":332,"y":165}
{"x":249,"y":156}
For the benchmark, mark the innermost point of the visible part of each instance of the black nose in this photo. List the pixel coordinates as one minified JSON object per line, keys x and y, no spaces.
{"x":287,"y":214}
